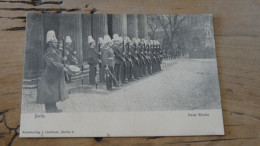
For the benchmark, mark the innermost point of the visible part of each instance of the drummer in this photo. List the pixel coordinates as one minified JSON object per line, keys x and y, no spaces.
{"x":52,"y":86}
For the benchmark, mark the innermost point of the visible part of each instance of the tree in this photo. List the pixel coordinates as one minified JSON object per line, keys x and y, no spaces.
{"x":171,"y":25}
{"x":153,"y":25}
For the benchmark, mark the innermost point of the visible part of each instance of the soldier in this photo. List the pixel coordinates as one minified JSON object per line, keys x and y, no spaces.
{"x":162,"y":54}
{"x":144,"y":68}
{"x":69,"y":56}
{"x":129,"y":68}
{"x":124,"y":63}
{"x":101,"y":53}
{"x":108,"y":58}
{"x":64,"y":58}
{"x":147,"y":54}
{"x":72,"y":60}
{"x":155,"y":66}
{"x":152,"y":55}
{"x":118,"y":59}
{"x":135,"y":59}
{"x":140,"y":58}
{"x":92,"y":60}
{"x":52,"y":86}
{"x":159,"y":55}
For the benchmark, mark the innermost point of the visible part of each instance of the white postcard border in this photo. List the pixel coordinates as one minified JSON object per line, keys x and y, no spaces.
{"x":122,"y":124}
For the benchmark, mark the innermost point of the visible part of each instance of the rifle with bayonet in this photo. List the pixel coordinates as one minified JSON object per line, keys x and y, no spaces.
{"x":140,"y":55}
{"x":99,"y":55}
{"x":123,"y":54}
{"x":129,"y":56}
{"x":135,"y":57}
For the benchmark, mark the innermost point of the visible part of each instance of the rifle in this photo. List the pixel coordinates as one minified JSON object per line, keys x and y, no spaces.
{"x":99,"y":55}
{"x":129,"y":59}
{"x":140,"y":55}
{"x":135,"y":58}
{"x":153,"y":54}
{"x":123,"y":54}
{"x":145,"y":55}
{"x":63,"y":61}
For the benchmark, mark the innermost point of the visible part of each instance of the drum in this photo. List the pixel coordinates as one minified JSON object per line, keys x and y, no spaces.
{"x":72,"y":69}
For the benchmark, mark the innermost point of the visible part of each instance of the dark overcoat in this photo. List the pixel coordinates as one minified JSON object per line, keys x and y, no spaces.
{"x":52,"y":86}
{"x":93,"y":56}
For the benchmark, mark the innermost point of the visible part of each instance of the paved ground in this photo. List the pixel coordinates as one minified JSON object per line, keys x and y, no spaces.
{"x":187,"y":85}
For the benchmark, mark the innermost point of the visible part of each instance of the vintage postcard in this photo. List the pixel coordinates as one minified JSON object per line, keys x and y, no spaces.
{"x":108,"y":75}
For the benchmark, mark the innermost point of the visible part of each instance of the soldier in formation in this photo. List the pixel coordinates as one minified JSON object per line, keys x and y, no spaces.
{"x":92,"y":60}
{"x":123,"y":60}
{"x":69,"y":56}
{"x":118,"y":60}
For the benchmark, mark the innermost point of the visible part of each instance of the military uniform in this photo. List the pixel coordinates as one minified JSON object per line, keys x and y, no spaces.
{"x":118,"y":59}
{"x":92,"y":61}
{"x":159,"y":58}
{"x":52,"y":86}
{"x":147,"y":54}
{"x":142,"y":61}
{"x":102,"y":61}
{"x":69,"y":56}
{"x":130,"y":65}
{"x":136,"y":62}
{"x":124,"y":63}
{"x":146,"y":61}
{"x":108,"y":57}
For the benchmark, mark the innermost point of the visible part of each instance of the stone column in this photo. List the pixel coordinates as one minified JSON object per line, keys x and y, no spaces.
{"x":99,"y":25}
{"x":142,"y":26}
{"x":119,"y":24}
{"x":86,"y":31}
{"x":34,"y":46}
{"x":132,"y":25}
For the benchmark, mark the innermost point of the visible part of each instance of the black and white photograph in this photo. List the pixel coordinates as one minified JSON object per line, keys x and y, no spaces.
{"x":120,"y":75}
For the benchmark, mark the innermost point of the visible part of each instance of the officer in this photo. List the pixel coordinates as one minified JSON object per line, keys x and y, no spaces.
{"x":92,"y":60}
{"x":118,"y":59}
{"x":108,"y":58}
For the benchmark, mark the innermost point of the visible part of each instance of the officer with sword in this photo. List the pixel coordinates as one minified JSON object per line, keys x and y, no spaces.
{"x":108,"y":56}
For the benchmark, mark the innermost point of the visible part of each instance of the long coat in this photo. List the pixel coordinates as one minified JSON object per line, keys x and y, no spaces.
{"x":52,"y":86}
{"x":93,"y":56}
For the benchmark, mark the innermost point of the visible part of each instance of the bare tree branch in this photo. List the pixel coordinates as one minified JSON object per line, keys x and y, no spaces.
{"x":164,"y":26}
{"x":153,"y":26}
